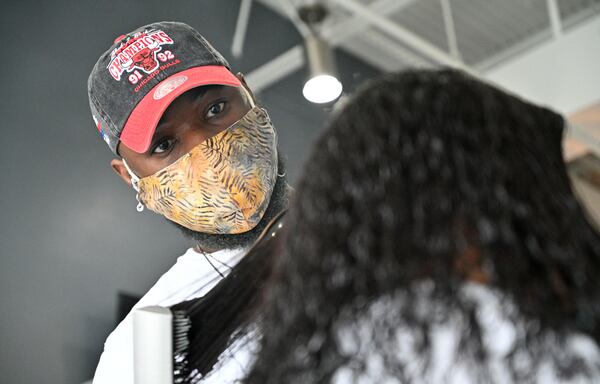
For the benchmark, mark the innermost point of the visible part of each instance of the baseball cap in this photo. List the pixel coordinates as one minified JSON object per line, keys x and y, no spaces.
{"x":136,"y":79}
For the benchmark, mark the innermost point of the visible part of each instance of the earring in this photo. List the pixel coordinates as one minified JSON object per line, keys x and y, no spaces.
{"x":140,"y":206}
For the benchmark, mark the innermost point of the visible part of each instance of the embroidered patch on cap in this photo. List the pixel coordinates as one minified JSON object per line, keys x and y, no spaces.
{"x":138,"y":52}
{"x":168,"y":86}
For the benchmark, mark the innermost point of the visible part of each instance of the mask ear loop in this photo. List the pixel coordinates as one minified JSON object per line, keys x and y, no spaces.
{"x":135,"y":183}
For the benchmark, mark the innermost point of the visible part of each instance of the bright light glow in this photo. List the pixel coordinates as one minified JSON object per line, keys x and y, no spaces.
{"x":322,"y":89}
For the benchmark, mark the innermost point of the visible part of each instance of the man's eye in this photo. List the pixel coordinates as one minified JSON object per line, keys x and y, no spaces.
{"x":215,"y":109}
{"x":163,"y":146}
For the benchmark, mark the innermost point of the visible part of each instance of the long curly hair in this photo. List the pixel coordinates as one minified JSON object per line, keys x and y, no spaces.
{"x":417,"y":170}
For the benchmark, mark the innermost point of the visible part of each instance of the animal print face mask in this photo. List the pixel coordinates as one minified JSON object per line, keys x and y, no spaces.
{"x":223,"y":185}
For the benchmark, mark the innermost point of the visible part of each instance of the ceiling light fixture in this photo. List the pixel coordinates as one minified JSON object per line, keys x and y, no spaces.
{"x":322,"y":85}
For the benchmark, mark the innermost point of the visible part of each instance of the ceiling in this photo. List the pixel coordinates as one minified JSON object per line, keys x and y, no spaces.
{"x":394,"y":34}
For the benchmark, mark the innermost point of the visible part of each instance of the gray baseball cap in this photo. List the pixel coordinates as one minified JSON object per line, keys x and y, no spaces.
{"x":136,"y":79}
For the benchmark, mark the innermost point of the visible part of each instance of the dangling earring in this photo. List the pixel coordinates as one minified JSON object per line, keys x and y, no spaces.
{"x":135,"y":184}
{"x":140,"y":206}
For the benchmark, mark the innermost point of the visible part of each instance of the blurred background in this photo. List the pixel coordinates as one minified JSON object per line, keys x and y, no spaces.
{"x":73,"y":250}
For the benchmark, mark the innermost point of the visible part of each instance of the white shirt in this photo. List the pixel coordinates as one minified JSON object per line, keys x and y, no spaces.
{"x":191,"y":277}
{"x":500,"y":333}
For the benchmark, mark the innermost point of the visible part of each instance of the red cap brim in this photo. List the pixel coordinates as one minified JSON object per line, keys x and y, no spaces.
{"x":141,"y":124}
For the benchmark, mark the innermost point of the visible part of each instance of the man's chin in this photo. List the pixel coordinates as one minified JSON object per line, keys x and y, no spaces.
{"x":214,"y":242}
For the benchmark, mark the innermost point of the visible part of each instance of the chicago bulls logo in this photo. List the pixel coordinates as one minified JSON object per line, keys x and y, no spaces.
{"x":138,"y":52}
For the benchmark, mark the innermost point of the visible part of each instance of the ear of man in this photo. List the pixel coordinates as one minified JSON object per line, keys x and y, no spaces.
{"x":118,"y":166}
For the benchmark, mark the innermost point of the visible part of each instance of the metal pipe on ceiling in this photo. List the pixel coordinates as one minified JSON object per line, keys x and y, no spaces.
{"x":241,"y":26}
{"x":402,"y":34}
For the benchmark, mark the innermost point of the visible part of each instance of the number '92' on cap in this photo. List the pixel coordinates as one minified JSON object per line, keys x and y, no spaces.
{"x":136,"y":79}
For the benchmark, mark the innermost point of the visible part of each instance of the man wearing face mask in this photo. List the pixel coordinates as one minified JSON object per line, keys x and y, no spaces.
{"x":196,"y":149}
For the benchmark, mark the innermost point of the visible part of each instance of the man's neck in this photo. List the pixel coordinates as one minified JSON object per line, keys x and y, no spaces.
{"x":200,"y":249}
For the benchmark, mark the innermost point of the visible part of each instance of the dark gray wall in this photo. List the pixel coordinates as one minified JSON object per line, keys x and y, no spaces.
{"x":69,"y":233}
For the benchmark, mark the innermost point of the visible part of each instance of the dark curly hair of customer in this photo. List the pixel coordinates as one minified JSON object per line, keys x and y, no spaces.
{"x":418,"y":170}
